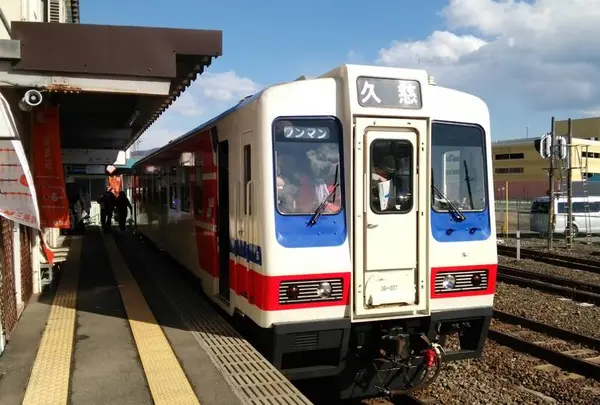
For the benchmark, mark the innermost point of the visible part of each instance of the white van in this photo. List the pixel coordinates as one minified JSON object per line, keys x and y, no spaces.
{"x":538,"y":218}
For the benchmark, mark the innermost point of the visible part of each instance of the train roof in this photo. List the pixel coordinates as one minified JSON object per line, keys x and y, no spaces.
{"x":187,"y":141}
{"x":183,"y":141}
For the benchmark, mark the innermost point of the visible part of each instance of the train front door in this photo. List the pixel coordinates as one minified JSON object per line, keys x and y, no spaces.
{"x":389,"y":231}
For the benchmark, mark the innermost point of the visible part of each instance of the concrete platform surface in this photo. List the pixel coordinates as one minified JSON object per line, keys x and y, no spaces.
{"x":113,"y":332}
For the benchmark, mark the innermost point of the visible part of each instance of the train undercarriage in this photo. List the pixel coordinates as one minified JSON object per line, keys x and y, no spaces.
{"x":388,"y":358}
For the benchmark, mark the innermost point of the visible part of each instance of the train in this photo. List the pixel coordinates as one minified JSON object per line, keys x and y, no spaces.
{"x":346,"y":221}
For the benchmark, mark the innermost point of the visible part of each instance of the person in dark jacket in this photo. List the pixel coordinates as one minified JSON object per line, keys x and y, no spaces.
{"x":107,"y":206}
{"x":121,"y":204}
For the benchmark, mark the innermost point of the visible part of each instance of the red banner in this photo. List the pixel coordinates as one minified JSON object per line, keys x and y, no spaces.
{"x":48,"y":174}
{"x":116,"y":183}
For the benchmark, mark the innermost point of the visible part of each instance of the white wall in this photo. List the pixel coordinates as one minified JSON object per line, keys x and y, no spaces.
{"x":20,"y":10}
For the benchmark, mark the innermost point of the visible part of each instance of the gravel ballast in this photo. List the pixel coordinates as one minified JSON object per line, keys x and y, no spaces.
{"x":505,"y":376}
{"x":548,"y":308}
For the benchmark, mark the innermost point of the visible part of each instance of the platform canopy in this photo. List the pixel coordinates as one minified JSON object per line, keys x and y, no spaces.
{"x":111,"y":82}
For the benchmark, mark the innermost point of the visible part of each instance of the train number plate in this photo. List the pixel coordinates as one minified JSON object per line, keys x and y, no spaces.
{"x":388,"y":287}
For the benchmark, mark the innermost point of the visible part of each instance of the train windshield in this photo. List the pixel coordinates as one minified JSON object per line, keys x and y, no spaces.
{"x":307,"y":162}
{"x":458,"y":167}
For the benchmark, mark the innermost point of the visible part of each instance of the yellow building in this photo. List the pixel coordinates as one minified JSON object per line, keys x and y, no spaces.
{"x":519,"y":163}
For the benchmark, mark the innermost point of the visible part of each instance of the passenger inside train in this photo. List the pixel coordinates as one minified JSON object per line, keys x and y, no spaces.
{"x":305,"y":177}
{"x":391,"y":177}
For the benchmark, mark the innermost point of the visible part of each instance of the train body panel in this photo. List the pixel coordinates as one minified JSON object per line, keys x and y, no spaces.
{"x":335,"y":215}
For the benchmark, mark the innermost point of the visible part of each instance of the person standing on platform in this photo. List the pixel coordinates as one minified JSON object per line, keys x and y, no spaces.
{"x":107,"y":206}
{"x":121,"y":204}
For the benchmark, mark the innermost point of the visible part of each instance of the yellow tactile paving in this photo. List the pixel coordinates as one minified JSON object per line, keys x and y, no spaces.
{"x":49,"y":379}
{"x":166,"y":379}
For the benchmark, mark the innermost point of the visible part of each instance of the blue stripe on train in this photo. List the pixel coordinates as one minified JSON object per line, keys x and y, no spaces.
{"x":476,"y":226}
{"x":292,"y":230}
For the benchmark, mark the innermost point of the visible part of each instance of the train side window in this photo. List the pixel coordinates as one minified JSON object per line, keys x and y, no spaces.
{"x":151,"y":180}
{"x":247,"y":178}
{"x":198,"y":188}
{"x":391,"y":176}
{"x":144,"y":187}
{"x":173,"y":188}
{"x":164,"y":198}
{"x":157,"y":189}
{"x":185,"y":189}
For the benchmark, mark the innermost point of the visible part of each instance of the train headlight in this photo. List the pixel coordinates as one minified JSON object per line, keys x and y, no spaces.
{"x":292,"y":292}
{"x":324,"y":289}
{"x":449,"y":282}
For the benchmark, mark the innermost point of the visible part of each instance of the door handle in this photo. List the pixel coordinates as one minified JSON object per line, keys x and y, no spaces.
{"x":371,"y":226}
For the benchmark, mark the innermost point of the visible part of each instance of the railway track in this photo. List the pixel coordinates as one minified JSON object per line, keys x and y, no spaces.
{"x":570,"y":262}
{"x":585,"y":362}
{"x":576,"y":290}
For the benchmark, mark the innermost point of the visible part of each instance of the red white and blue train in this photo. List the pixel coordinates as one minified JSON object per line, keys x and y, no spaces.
{"x":348,"y":219}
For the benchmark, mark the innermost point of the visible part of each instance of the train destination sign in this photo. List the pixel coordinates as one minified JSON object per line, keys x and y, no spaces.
{"x":388,"y":93}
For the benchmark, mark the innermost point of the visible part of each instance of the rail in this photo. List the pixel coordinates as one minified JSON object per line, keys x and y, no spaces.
{"x":560,"y":359}
{"x":577,"y":290}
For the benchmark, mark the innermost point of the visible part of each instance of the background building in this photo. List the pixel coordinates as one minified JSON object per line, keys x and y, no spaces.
{"x":17,"y":280}
{"x":517,"y":162}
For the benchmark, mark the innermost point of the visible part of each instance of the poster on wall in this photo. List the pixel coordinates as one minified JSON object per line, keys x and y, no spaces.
{"x":17,"y":196}
{"x":18,"y":200}
{"x":48,"y":170}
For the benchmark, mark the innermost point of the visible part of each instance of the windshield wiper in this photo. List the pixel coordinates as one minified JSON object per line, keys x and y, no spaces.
{"x":319,"y":211}
{"x":454,"y":210}
{"x":468,"y":181}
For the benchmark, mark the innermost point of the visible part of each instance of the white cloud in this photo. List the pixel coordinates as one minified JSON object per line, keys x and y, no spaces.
{"x":226,"y":86}
{"x":210,"y":94}
{"x":441,"y":47}
{"x":544,"y":51}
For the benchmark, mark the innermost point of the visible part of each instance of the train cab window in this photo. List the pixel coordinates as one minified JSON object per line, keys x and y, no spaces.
{"x":458,"y":167}
{"x":307,"y":165}
{"x":173,"y":197}
{"x":391,"y":174}
{"x":185,"y":188}
{"x":198,"y":188}
{"x":247,"y":178}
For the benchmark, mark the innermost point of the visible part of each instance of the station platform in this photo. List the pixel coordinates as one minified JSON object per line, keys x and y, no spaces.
{"x":121,"y":326}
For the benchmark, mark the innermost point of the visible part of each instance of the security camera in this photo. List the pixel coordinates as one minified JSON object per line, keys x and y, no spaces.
{"x":32,"y":98}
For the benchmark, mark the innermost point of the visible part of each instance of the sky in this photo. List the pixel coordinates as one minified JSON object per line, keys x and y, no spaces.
{"x":529,"y":60}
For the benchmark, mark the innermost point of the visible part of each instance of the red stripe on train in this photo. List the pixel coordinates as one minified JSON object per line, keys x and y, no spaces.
{"x":492,"y":270}
{"x":263,"y":291}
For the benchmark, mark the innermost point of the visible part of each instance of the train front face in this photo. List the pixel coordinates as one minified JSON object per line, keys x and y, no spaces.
{"x":421,"y":239}
{"x":424,"y":246}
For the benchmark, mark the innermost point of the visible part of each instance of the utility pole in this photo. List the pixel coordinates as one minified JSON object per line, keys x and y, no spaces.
{"x":569,"y":188}
{"x":551,"y":187}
